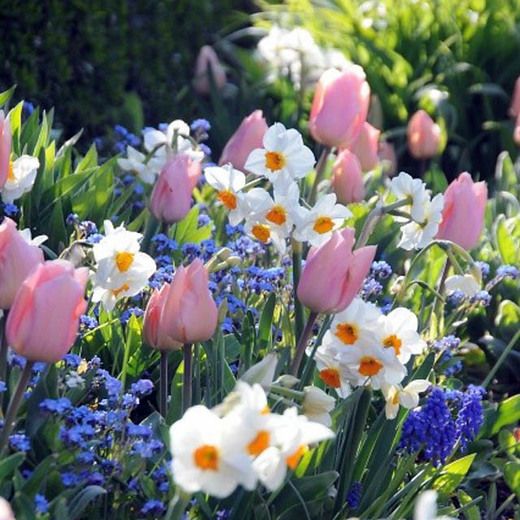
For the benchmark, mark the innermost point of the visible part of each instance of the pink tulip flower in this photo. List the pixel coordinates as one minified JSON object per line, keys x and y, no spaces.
{"x":5,"y":149}
{"x":347,"y":178}
{"x":424,"y":136}
{"x":366,"y":147}
{"x":208,"y":59}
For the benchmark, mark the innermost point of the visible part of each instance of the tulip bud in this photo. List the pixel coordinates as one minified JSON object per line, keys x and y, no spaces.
{"x":388,"y":158}
{"x":207,"y":61}
{"x":463,"y":212}
{"x":424,"y":136}
{"x":17,"y":259}
{"x":6,"y":513}
{"x":317,"y":405}
{"x":248,"y":137}
{"x":181,"y":312}
{"x":347,"y":178}
{"x":514,"y":110}
{"x":44,"y":319}
{"x":5,"y":149}
{"x":172,"y":194}
{"x":365,"y":147}
{"x":516,"y":132}
{"x":339,"y":107}
{"x":333,"y":273}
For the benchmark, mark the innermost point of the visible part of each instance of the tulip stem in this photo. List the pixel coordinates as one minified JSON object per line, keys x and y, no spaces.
{"x":163,"y":384}
{"x":320,"y":172}
{"x":501,"y":359}
{"x":152,"y":225}
{"x":14,"y":405}
{"x":302,"y":343}
{"x":297,"y":268}
{"x":373,"y":219}
{"x":186,"y":378}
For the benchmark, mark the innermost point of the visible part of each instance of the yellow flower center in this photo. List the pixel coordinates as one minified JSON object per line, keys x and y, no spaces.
{"x":393,"y":342}
{"x":265,"y":410}
{"x":119,"y":290}
{"x":259,"y":443}
{"x":323,"y":225}
{"x":261,"y":232}
{"x":228,"y":199}
{"x":124,"y":260}
{"x":10,"y":173}
{"x":331,"y":377}
{"x":369,"y":366}
{"x":277,"y":215}
{"x":274,"y":161}
{"x":294,"y":459}
{"x":395,"y":398}
{"x":206,"y":457}
{"x":347,"y":333}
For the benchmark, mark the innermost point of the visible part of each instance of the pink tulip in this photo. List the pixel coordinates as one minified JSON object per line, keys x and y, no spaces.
{"x":172,"y":194}
{"x":5,"y":149}
{"x":333,"y":273}
{"x":514,"y":110}
{"x":246,"y":138}
{"x":463,"y":213}
{"x":516,"y":131}
{"x":44,"y":318}
{"x":17,"y":259}
{"x":388,"y":158}
{"x":424,"y":136}
{"x":347,"y":178}
{"x":366,"y":147}
{"x":339,"y":107}
{"x":181,"y":312}
{"x":208,"y":60}
{"x":6,"y":513}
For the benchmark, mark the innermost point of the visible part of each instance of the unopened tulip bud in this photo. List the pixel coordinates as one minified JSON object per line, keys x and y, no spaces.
{"x":388,"y":158}
{"x":347,"y":178}
{"x":208,"y":63}
{"x":424,"y":136}
{"x":366,"y":146}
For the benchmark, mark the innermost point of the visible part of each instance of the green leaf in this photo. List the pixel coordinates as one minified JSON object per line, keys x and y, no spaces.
{"x":507,"y":240}
{"x":9,"y":464}
{"x":82,"y":500}
{"x":507,"y":412}
{"x":453,"y":474}
{"x":512,"y":476}
{"x":266,"y":321}
{"x":6,"y":95}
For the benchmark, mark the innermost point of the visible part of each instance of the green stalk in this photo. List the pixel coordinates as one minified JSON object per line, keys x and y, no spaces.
{"x":14,"y":405}
{"x":163,"y":384}
{"x":320,"y":172}
{"x":298,"y":307}
{"x":501,"y":359}
{"x":186,"y":378}
{"x":302,"y":343}
{"x":438,"y":305}
{"x":152,"y":225}
{"x":178,"y":505}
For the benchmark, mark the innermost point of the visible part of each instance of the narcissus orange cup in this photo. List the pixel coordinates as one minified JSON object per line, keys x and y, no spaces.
{"x":182,"y":312}
{"x":17,"y":259}
{"x":208,"y":60}
{"x":333,"y":273}
{"x":43,"y":321}
{"x":347,"y":178}
{"x":424,"y":136}
{"x":339,"y":107}
{"x":248,"y":137}
{"x":463,"y":212}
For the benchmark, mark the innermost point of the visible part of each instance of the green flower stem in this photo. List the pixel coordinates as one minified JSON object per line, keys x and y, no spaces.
{"x":186,"y":377}
{"x":320,"y":172}
{"x":302,"y":343}
{"x":373,"y":219}
{"x":152,"y":225}
{"x":298,"y":307}
{"x":294,"y":395}
{"x":163,"y":384}
{"x":14,"y":405}
{"x":501,"y":359}
{"x":178,"y":505}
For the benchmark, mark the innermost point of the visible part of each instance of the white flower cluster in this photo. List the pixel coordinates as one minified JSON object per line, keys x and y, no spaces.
{"x":20,"y":178}
{"x":160,"y":145}
{"x":241,"y":442}
{"x":294,"y":54}
{"x":272,"y":218}
{"x":364,"y":346}
{"x":425,"y":213}
{"x":121,"y":269}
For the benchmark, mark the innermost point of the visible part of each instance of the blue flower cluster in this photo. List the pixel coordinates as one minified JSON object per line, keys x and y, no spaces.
{"x":448,"y":346}
{"x":354,"y":495}
{"x":434,"y":429}
{"x":373,"y":283}
{"x":124,"y":138}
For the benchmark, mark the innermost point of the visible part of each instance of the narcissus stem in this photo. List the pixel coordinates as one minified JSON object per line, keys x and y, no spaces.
{"x":298,"y":307}
{"x":302,"y":343}
{"x":186,"y":377}
{"x":320,"y":171}
{"x":163,"y":384}
{"x":14,"y":405}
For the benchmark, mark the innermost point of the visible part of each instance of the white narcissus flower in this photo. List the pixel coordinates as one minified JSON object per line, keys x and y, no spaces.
{"x":356,"y":323}
{"x":135,"y":161}
{"x":416,"y":235}
{"x":36,"y":241}
{"x":209,"y":454}
{"x":262,"y":372}
{"x":317,"y":405}
{"x":467,"y":284}
{"x":408,"y":396}
{"x":426,"y":507}
{"x":283,"y":158}
{"x":265,"y":232}
{"x":398,"y":331}
{"x":121,"y":269}
{"x":228,"y":182}
{"x":316,"y":225}
{"x":21,"y":177}
{"x":404,"y":186}
{"x":372,"y":363}
{"x":331,"y":371}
